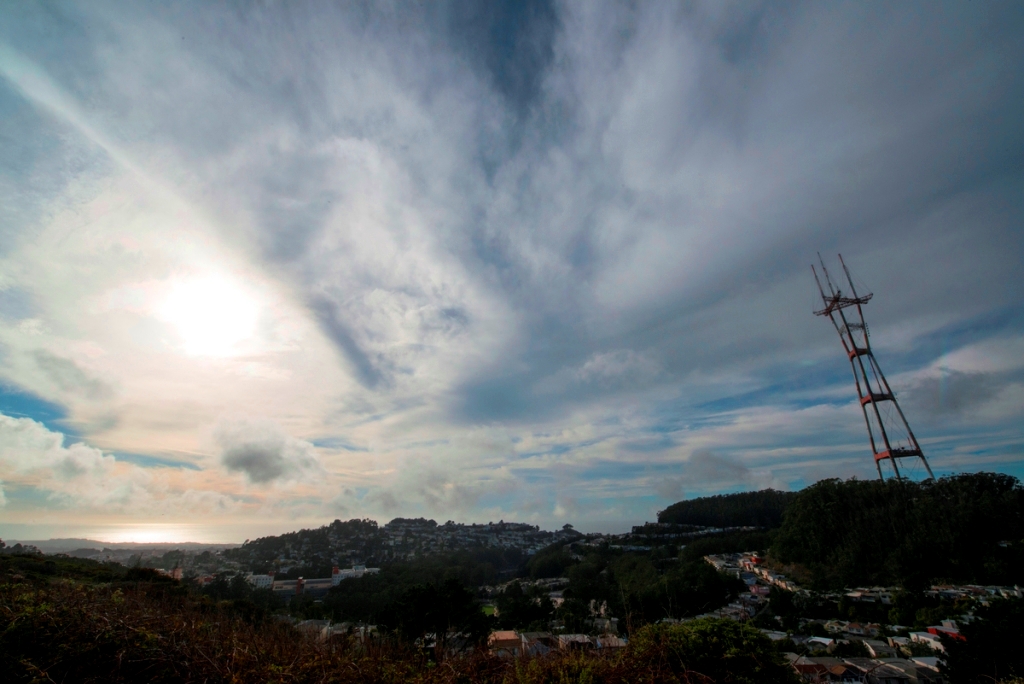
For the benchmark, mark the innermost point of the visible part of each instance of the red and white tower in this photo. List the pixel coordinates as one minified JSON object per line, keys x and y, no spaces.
{"x":892,"y":440}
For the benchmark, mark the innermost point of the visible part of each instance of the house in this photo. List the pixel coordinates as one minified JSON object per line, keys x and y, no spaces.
{"x":315,"y":628}
{"x":820,"y":642}
{"x":878,"y":672}
{"x":827,"y":669}
{"x":569,"y":642}
{"x":952,"y":631}
{"x":847,"y":673}
{"x":811,"y":671}
{"x":931,"y":662}
{"x":918,"y":674}
{"x":606,"y":625}
{"x":609,"y":642}
{"x":505,"y":643}
{"x":880,"y":649}
{"x":537,"y":643}
{"x":835,"y":626}
{"x":774,"y":635}
{"x":932,"y":640}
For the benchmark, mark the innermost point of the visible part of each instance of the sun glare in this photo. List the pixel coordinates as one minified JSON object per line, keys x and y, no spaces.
{"x":149,"y":534}
{"x":211,"y":315}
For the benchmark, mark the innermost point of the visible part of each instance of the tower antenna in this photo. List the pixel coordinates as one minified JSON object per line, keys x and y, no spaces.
{"x":892,"y":440}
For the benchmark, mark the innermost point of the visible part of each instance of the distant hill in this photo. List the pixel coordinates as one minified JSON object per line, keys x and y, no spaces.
{"x":755,"y":509}
{"x":73,"y":544}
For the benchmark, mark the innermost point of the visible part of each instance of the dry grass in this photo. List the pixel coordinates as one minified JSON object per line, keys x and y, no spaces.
{"x":66,"y":631}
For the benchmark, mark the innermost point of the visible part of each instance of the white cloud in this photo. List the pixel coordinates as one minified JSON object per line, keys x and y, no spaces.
{"x":26,"y":446}
{"x":82,"y":477}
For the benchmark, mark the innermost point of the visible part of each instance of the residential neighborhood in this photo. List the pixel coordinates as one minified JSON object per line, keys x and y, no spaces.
{"x":893,"y":654}
{"x":855,"y":640}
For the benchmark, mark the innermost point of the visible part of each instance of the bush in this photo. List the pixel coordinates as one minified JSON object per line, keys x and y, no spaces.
{"x":709,"y":649}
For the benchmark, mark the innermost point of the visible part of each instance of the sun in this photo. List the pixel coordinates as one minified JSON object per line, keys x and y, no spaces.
{"x":212,"y":315}
{"x":148,"y":534}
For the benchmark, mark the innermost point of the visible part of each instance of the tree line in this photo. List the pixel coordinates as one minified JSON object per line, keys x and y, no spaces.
{"x":755,"y":509}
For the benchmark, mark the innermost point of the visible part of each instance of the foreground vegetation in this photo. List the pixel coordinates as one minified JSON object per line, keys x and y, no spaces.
{"x":135,"y":626}
{"x":70,"y":620}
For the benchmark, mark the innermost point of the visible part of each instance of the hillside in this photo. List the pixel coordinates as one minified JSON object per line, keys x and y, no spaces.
{"x":965,"y":528}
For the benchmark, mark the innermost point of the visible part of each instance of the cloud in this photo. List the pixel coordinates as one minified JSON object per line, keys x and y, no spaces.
{"x":82,"y":477}
{"x":953,"y":393}
{"x":384,"y":500}
{"x":264,"y":453}
{"x":66,"y":374}
{"x":709,"y":468}
{"x":27,"y":445}
{"x":670,"y":488}
{"x":705,"y":471}
{"x":327,"y":316}
{"x":520,"y":253}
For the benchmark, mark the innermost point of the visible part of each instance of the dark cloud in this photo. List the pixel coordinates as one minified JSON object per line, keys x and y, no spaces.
{"x":261,"y":463}
{"x":953,"y":394}
{"x":264,"y":453}
{"x":328,"y":316}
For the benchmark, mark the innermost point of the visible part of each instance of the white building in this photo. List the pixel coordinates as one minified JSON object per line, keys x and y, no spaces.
{"x":354,"y":572}
{"x":260,"y":581}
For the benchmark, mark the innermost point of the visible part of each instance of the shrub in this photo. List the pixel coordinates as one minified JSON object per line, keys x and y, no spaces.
{"x":709,"y":650}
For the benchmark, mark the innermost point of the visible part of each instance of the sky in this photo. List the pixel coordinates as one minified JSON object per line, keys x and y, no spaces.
{"x":268,"y":264}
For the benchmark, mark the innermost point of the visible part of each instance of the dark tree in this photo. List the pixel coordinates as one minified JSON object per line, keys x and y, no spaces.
{"x":992,"y":649}
{"x":755,"y":509}
{"x":522,"y":609}
{"x":964,"y":528}
{"x":440,"y":610}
